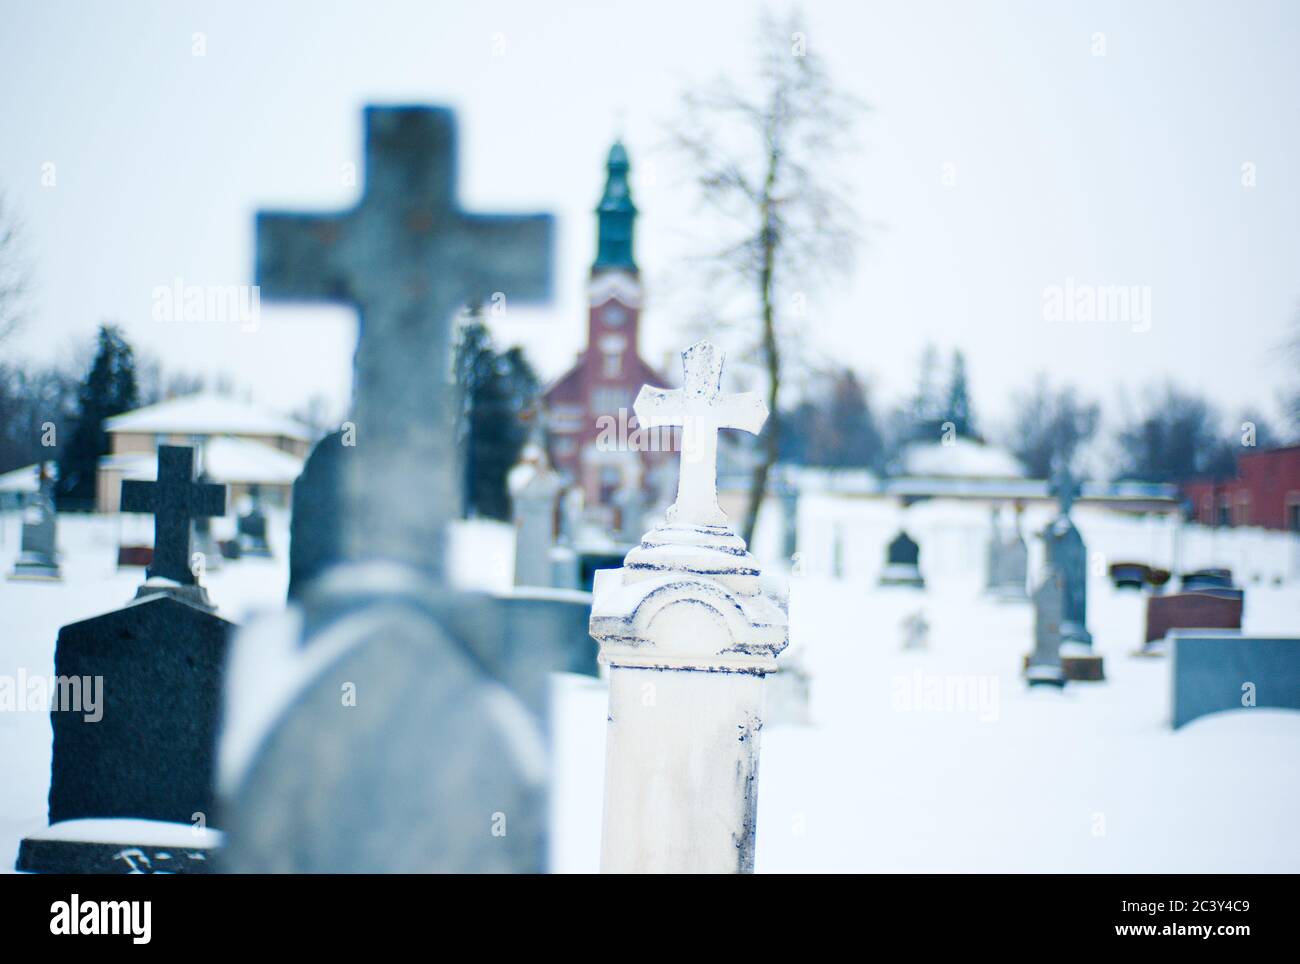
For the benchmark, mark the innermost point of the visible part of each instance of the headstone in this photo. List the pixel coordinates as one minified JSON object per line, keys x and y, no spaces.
{"x":1067,"y":554}
{"x":993,"y":560}
{"x":315,"y":540}
{"x":251,"y":528}
{"x":1211,"y":581}
{"x":1188,"y":610}
{"x":1044,"y":665}
{"x":38,"y":557}
{"x":135,"y":727}
{"x":689,"y":634}
{"x":383,"y":739}
{"x":534,"y":499}
{"x":1224,"y":670}
{"x":630,"y":502}
{"x":1008,"y":563}
{"x":207,"y":552}
{"x":1129,"y":575}
{"x":175,"y":500}
{"x":902,"y":563}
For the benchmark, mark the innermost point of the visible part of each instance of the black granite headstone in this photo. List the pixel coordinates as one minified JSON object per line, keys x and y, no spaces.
{"x":902,"y":563}
{"x":139,"y":741}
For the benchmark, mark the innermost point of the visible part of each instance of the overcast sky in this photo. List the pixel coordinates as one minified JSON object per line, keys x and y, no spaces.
{"x":1001,"y":157}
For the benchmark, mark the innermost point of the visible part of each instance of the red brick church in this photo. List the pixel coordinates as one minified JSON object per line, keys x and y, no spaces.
{"x":609,"y":371}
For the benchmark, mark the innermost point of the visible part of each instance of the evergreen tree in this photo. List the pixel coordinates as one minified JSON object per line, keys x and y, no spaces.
{"x":498,"y":394}
{"x":959,"y":409}
{"x":109,"y":389}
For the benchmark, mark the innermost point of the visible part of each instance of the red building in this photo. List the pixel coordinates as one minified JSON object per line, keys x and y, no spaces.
{"x":604,"y":381}
{"x":1266,"y":492}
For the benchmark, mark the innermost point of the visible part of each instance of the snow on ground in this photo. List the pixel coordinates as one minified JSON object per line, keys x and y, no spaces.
{"x":921,"y":760}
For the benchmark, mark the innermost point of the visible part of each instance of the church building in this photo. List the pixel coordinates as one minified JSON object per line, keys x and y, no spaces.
{"x":604,"y":381}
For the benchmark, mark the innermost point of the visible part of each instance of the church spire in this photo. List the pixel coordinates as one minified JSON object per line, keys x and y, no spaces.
{"x":615,"y":215}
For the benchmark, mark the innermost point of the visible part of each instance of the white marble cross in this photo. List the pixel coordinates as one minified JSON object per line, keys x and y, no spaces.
{"x":700,"y":409}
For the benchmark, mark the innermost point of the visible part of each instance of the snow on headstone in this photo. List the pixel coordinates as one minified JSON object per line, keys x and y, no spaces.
{"x":700,"y":409}
{"x":689,"y":635}
{"x":384,"y":735}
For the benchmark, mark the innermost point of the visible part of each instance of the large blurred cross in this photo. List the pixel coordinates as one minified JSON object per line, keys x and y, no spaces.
{"x":407,"y":259}
{"x":175,"y":501}
{"x":701,"y":409}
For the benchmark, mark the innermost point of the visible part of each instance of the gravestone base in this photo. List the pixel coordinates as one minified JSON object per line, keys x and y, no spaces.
{"x":901,"y":574}
{"x":1008,"y":594}
{"x":118,"y":847}
{"x":1083,"y":668}
{"x":35,"y":570}
{"x":1077,"y":668}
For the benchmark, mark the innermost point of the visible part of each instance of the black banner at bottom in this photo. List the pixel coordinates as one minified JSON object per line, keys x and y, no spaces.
{"x":334,"y":912}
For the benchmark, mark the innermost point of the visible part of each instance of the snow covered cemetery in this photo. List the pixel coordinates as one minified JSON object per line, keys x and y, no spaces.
{"x":636,"y":617}
{"x":943,"y":704}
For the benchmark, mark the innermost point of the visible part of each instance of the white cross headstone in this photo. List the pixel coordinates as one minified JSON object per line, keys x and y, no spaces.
{"x":700,"y":409}
{"x":689,"y":636}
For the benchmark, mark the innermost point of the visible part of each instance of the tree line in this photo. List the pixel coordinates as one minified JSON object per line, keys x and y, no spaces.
{"x":1168,"y":433}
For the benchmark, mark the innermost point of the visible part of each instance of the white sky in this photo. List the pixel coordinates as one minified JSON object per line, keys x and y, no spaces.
{"x":1117,"y":170}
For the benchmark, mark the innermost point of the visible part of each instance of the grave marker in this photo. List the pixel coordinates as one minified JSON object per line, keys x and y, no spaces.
{"x":386,"y":739}
{"x":139,"y":743}
{"x":174,"y":501}
{"x":688,"y":635}
{"x":38,"y":556}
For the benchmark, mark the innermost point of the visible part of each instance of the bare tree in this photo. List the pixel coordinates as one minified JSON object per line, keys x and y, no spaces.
{"x":764,"y":164}
{"x":15,"y":278}
{"x":1051,"y":425}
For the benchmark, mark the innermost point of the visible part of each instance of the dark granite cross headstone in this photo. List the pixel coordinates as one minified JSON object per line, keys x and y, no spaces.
{"x":175,"y":501}
{"x":407,"y":258}
{"x":139,"y":741}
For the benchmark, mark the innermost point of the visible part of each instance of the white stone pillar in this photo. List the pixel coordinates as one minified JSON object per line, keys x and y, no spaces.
{"x":688,"y":634}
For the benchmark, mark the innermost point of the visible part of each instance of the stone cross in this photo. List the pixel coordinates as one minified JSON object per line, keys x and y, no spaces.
{"x":175,"y":500}
{"x":688,"y":622}
{"x":701,"y":409}
{"x":407,"y":258}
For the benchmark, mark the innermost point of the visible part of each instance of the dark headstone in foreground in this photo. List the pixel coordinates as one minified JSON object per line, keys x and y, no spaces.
{"x":151,"y":753}
{"x":1215,"y":671}
{"x":151,"y":756}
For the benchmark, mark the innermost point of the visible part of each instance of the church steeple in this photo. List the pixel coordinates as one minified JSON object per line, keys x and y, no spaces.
{"x":615,"y":215}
